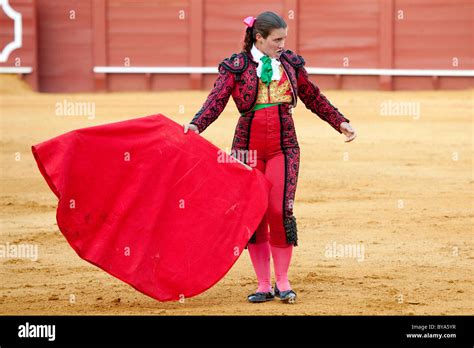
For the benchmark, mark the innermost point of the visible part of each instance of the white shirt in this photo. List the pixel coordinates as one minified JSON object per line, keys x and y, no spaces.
{"x":257,"y":54}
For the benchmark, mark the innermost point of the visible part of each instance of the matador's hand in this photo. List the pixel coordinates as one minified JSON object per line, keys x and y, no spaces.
{"x":191,"y":127}
{"x":348,"y":131}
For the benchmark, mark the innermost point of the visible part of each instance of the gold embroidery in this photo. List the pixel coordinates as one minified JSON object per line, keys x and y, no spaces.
{"x":276,"y":92}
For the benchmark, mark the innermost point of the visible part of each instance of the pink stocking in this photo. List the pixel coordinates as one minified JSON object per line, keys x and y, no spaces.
{"x":281,"y":262}
{"x":260,"y":256}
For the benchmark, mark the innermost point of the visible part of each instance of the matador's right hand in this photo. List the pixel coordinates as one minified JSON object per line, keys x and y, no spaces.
{"x":190,"y":126}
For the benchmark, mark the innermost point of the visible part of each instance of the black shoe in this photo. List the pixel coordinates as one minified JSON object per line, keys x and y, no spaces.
{"x":261,"y":297}
{"x":288,"y":296}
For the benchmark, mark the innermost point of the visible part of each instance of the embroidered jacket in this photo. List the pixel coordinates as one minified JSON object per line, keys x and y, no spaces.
{"x":238,"y":77}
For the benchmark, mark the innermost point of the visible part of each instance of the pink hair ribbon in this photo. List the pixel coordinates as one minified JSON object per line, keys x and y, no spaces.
{"x":249,"y":21}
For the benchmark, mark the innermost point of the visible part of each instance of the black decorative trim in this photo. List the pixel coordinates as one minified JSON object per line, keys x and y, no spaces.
{"x":252,"y":239}
{"x":252,"y":116}
{"x":255,"y":97}
{"x":288,"y":222}
{"x":284,"y":156}
{"x":256,"y":86}
{"x":229,"y":65}
{"x":250,"y":57}
{"x":291,"y":230}
{"x":337,"y":110}
{"x":294,"y":59}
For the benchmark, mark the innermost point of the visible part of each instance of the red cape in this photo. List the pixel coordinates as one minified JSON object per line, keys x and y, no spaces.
{"x":151,"y":205}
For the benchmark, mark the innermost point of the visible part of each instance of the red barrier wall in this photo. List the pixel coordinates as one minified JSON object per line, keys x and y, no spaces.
{"x":73,"y":36}
{"x":26,"y":56}
{"x":65,"y":45}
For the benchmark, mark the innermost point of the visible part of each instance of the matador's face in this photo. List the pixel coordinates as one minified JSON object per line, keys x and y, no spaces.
{"x":274,"y":44}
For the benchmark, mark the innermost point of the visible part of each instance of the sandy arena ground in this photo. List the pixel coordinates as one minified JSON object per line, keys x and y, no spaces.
{"x":403,"y":190}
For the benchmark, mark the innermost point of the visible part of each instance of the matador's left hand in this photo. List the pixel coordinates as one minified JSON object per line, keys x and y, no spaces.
{"x":348,"y":131}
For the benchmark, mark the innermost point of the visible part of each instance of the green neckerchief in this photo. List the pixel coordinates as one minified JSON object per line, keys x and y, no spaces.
{"x":267,"y":71}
